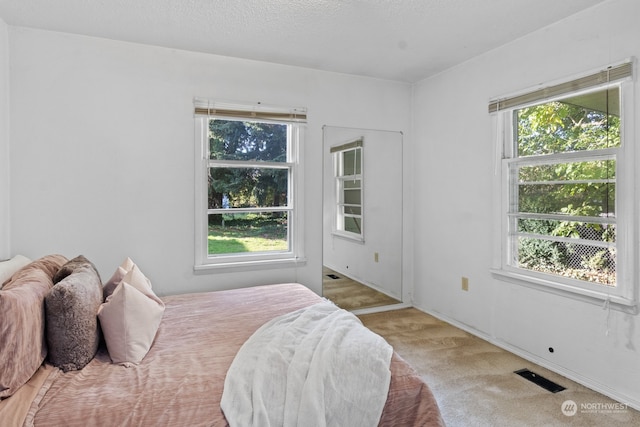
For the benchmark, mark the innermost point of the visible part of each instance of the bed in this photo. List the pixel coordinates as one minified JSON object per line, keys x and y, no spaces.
{"x":180,"y":379}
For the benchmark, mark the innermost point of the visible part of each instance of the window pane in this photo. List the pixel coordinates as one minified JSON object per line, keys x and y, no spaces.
{"x":352,"y":210}
{"x":570,"y":229}
{"x":237,"y":140}
{"x":248,"y":232}
{"x":578,"y":261}
{"x":570,"y":171}
{"x":585,"y":122}
{"x":352,"y":162}
{"x":352,"y":225}
{"x":247,"y":187}
{"x":351,"y":183}
{"x":597,"y":199}
{"x":352,"y":197}
{"x":349,"y":180}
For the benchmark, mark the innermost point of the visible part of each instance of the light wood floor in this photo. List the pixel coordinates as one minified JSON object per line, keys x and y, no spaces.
{"x":474,"y":383}
{"x":351,"y":295}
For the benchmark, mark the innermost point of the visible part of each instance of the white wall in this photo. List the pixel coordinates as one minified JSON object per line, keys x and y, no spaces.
{"x":4,"y":141}
{"x":102,"y":138}
{"x":454,"y":165}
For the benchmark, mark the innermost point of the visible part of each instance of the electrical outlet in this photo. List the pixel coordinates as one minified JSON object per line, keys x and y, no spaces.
{"x":465,"y":283}
{"x":375,"y":257}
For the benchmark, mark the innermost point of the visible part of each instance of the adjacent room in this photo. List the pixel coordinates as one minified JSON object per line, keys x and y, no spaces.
{"x":460,"y":176}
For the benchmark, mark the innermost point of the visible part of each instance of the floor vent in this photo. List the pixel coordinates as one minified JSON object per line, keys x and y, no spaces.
{"x":541,"y":381}
{"x":333,"y":276}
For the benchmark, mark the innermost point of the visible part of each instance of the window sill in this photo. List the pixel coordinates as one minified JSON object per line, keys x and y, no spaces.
{"x":594,"y":297}
{"x":235,"y":266}
{"x":346,"y":236}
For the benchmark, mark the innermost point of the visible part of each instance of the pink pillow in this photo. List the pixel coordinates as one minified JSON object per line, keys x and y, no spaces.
{"x":22,"y":322}
{"x":10,"y":266}
{"x":126,"y":266}
{"x":117,"y":277}
{"x":130,"y":318}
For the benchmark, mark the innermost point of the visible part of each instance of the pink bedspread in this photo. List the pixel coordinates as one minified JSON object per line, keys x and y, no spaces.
{"x":179,"y":382}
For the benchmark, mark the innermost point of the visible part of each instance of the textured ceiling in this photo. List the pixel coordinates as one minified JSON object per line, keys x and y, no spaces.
{"x":404,"y":40}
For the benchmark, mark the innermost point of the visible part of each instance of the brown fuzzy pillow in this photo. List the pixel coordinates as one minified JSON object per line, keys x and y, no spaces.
{"x":22,"y":322}
{"x":71,"y":266}
{"x":71,"y":307}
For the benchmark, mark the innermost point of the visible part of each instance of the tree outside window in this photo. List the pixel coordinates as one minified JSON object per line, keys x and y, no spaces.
{"x":249,"y":182}
{"x":563,"y":187}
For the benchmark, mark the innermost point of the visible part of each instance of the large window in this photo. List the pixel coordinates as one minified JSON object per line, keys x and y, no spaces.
{"x":247,"y":181}
{"x":347,"y":166}
{"x":567,"y":202}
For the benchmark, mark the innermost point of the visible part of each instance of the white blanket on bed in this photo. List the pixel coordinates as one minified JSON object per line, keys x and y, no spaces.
{"x":318,"y":366}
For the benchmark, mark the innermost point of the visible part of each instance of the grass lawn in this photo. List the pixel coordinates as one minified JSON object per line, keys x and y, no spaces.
{"x":247,"y":236}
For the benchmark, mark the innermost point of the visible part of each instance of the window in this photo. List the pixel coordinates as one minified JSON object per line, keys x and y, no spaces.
{"x":248,"y":174}
{"x":567,"y":201}
{"x":347,"y":164}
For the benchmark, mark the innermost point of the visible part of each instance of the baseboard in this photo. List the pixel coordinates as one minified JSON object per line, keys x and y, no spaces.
{"x":380,"y":309}
{"x":574,"y":376}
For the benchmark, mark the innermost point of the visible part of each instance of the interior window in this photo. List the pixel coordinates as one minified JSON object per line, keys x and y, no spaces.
{"x":248,"y":172}
{"x":567,"y":203}
{"x":347,"y":160}
{"x":248,"y":187}
{"x":563,"y":189}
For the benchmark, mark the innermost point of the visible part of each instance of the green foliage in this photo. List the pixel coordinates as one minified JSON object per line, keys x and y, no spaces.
{"x":558,"y":127}
{"x":247,"y":141}
{"x":253,"y":183}
{"x":539,"y":254}
{"x":571,"y":188}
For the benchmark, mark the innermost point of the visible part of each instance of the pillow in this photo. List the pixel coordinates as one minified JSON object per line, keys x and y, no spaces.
{"x":10,"y":266}
{"x":71,"y":307}
{"x":71,"y":266}
{"x":130,"y":318}
{"x":117,"y":277}
{"x":22,"y":322}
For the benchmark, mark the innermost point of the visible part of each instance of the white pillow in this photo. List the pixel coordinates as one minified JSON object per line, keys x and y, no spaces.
{"x":117,"y":277}
{"x":130,"y":318}
{"x":136,"y":278}
{"x":10,"y":266}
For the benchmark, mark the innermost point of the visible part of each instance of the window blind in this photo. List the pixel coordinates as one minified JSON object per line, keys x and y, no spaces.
{"x":257,"y":111}
{"x":610,"y":74}
{"x":347,"y":146}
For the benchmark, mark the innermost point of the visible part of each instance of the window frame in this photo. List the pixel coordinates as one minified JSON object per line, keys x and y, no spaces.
{"x":624,"y":296}
{"x":338,"y":154}
{"x":203,"y":261}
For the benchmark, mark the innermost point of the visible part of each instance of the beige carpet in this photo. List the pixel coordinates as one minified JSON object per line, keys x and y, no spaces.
{"x":474,"y":382}
{"x":351,"y":295}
